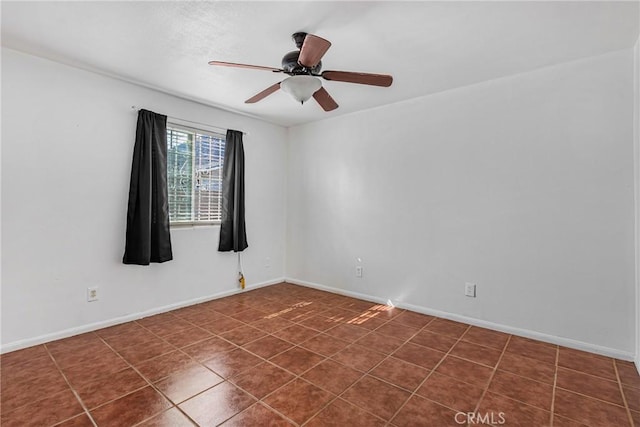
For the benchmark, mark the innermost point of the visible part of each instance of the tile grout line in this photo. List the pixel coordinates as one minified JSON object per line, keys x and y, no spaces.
{"x":493,"y":373}
{"x":430,"y":372}
{"x":555,"y":384}
{"x":73,"y":390}
{"x":145,"y":379}
{"x":364,"y":373}
{"x":621,"y":388}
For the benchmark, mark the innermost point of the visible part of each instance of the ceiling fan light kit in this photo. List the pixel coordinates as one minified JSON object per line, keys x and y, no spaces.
{"x":302,"y":87}
{"x":304,"y":67}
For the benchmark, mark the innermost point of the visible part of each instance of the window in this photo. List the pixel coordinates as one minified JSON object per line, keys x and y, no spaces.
{"x":194,"y":175}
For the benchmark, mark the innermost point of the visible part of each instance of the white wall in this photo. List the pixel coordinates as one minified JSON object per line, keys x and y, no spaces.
{"x":523,"y":185}
{"x":636,"y":157}
{"x":67,"y":144}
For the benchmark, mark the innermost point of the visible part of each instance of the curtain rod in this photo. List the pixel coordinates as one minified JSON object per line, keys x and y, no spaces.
{"x":133,"y":107}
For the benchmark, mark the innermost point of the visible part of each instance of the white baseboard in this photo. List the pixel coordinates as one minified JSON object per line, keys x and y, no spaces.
{"x":17,"y":345}
{"x":566,"y":342}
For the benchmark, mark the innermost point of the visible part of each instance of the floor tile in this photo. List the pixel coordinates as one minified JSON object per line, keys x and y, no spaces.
{"x":358,"y":357}
{"x":450,"y":392}
{"x":526,"y":367}
{"x":324,"y":344}
{"x":230,"y":363}
{"x":332,"y":376}
{"x":512,"y":412}
{"x":372,"y":355}
{"x":19,"y":356}
{"x":340,"y":413}
{"x":400,"y":373}
{"x":103,"y":366}
{"x":559,"y":421}
{"x":171,"y":418}
{"x":130,"y":409}
{"x":81,"y":420}
{"x":299,"y":400}
{"x":486,"y":337}
{"x":476,"y":353}
{"x":111,"y":387}
{"x":297,"y":360}
{"x":319,"y":323}
{"x":272,"y":324}
{"x":381,"y":343}
{"x":434,"y":341}
{"x":397,"y":330}
{"x":184,"y":384}
{"x":628,"y":373}
{"x":348,"y":332}
{"x":217,"y":404}
{"x":249,"y":315}
{"x":532,"y":349}
{"x":413,"y":319}
{"x":376,"y":396}
{"x":141,"y":352}
{"x":222,"y":325}
{"x":268,"y":346}
{"x":88,"y":354}
{"x":447,"y":327}
{"x":589,"y":385}
{"x":75,"y":343}
{"x":28,"y":369}
{"x":589,"y":411}
{"x":207,"y":349}
{"x":465,"y":371}
{"x":421,"y":412}
{"x":636,"y":418}
{"x":243,"y":335}
{"x":170,"y":328}
{"x":296,"y":334}
{"x":262,"y":379}
{"x":367,"y":320}
{"x":257,"y":415}
{"x":188,"y":337}
{"x":165,"y":365}
{"x":51,"y":410}
{"x":522,"y":389}
{"x":586,"y":362}
{"x":419,"y":355}
{"x":128,"y":337}
{"x":632,"y":396}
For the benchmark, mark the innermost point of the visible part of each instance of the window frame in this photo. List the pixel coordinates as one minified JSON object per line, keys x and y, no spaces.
{"x":202,"y":129}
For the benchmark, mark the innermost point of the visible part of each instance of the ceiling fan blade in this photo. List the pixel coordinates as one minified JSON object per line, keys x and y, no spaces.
{"x":325,"y":100}
{"x":312,"y":51}
{"x":268,"y":91}
{"x":253,"y":67}
{"x":384,"y":80}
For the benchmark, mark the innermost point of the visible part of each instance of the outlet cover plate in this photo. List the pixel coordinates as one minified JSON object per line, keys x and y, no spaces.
{"x":92,"y":294}
{"x":470,"y":289}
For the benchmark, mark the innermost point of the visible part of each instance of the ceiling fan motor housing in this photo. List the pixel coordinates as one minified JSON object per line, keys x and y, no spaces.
{"x":291,"y":66}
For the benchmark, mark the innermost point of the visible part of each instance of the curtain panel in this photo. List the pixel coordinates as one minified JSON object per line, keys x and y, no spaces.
{"x":233,"y":233}
{"x":147,"y":236}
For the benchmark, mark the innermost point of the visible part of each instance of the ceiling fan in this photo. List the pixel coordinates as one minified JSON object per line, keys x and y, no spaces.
{"x":303,"y":66}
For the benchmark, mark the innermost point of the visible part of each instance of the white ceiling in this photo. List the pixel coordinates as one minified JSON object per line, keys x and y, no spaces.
{"x":428,"y":47}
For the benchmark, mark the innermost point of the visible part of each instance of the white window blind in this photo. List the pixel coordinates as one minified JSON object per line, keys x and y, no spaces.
{"x":194,"y":175}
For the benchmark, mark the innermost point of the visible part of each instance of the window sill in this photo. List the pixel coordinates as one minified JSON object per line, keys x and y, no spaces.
{"x":194,"y":224}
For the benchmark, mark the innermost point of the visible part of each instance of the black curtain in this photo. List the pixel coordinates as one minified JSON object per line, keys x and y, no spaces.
{"x":148,"y":238}
{"x":233,"y":233}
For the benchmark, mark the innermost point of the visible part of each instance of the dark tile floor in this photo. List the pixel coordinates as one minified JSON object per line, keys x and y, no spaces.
{"x":290,"y":355}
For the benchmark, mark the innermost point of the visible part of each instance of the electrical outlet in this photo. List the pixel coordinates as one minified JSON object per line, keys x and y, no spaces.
{"x":267,"y":262}
{"x":92,"y":294}
{"x":470,"y":289}
{"x":359,"y":270}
